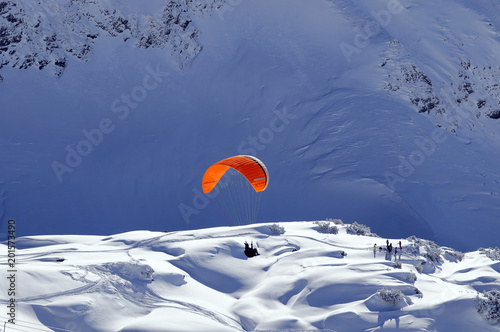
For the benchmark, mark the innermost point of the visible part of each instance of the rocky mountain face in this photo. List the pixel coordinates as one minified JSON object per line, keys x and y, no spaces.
{"x":44,"y":34}
{"x":473,"y":89}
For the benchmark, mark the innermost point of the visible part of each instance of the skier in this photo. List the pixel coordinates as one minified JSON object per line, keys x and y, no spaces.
{"x":400,"y":246}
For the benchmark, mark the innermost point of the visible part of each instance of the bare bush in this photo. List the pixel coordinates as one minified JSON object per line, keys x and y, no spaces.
{"x":336,"y":221}
{"x":430,"y":249}
{"x":360,"y":229}
{"x":455,"y":254}
{"x":491,"y":253}
{"x":411,"y":277}
{"x":391,"y":296}
{"x":277,"y":229}
{"x":324,"y":226}
{"x":489,"y":305}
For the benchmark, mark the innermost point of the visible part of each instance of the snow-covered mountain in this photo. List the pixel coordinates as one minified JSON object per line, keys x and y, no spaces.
{"x":304,"y":279}
{"x":383,"y":112}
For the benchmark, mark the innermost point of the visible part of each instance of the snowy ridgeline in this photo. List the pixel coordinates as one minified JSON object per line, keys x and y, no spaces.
{"x":309,"y":276}
{"x":44,"y":34}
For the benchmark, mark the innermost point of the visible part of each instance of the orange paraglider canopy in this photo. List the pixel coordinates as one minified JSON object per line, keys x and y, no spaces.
{"x":250,"y":167}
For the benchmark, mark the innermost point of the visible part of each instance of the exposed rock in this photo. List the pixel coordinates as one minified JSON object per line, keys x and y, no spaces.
{"x":44,"y":34}
{"x":474,"y":91}
{"x":494,"y":114}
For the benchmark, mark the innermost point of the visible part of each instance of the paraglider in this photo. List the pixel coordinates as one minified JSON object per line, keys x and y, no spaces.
{"x":250,"y":167}
{"x":250,"y":251}
{"x":236,"y":184}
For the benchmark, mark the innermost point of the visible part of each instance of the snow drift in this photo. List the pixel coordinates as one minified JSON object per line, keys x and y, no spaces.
{"x":304,"y":279}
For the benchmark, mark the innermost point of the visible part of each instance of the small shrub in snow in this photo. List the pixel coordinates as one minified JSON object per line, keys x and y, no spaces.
{"x":433,"y":253}
{"x":360,"y":229}
{"x":397,"y":265}
{"x":416,"y":242}
{"x":419,"y":268}
{"x":414,"y":239}
{"x":277,"y":229}
{"x":489,"y":305}
{"x":455,"y":254}
{"x":391,"y":296}
{"x":336,"y":221}
{"x":412,"y":249}
{"x":411,"y":277}
{"x":324,"y":226}
{"x":431,"y":250}
{"x":491,"y":253}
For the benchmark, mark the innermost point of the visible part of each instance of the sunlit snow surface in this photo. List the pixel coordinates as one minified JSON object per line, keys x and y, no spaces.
{"x":202,"y":281}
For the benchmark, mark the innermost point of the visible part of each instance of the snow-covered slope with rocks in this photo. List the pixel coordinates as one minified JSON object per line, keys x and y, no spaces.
{"x":380,"y":112}
{"x":304,"y":279}
{"x":44,"y":34}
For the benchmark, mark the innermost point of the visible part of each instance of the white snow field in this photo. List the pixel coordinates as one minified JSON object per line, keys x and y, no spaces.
{"x":304,"y":279}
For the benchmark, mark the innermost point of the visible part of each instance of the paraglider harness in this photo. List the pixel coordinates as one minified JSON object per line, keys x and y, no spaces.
{"x":250,"y":251}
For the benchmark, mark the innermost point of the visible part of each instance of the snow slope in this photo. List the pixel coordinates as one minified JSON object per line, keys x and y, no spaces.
{"x":379,"y":112}
{"x":201,"y":281}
